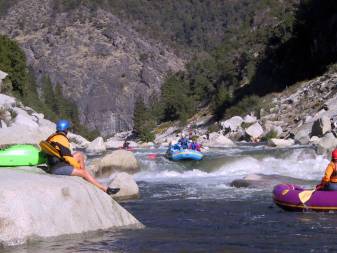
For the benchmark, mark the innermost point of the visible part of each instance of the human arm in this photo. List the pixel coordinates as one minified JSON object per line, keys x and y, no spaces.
{"x":328,"y":171}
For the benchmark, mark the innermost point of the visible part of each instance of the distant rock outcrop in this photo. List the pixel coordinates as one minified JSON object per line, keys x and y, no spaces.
{"x":102,"y":63}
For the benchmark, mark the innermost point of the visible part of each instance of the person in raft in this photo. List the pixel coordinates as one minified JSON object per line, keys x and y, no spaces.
{"x":329,"y":181}
{"x":183,"y":141}
{"x":195,"y":146}
{"x":71,"y":164}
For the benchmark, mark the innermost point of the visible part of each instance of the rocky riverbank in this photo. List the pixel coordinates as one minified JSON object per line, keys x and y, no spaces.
{"x":304,"y":114}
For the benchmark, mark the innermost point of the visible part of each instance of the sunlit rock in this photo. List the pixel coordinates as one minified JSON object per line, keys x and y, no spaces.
{"x":35,"y":204}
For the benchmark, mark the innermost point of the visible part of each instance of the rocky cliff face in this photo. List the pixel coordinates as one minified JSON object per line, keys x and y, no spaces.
{"x":100,"y":61}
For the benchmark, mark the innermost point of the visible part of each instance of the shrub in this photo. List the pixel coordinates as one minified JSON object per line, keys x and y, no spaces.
{"x":270,"y":135}
{"x":249,"y":104}
{"x":214,"y":128}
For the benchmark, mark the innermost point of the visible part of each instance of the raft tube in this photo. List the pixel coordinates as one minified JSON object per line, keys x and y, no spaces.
{"x":286,"y":196}
{"x":186,"y":154}
{"x":21,"y":155}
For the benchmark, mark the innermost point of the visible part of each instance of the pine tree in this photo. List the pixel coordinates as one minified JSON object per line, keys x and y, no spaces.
{"x":143,"y":121}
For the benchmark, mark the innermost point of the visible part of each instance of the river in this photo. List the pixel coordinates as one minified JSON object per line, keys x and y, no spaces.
{"x":191,"y":207}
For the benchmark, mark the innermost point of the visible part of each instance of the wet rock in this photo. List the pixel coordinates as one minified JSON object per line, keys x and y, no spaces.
{"x":128,"y":186}
{"x":35,"y":204}
{"x":96,"y":146}
{"x":255,"y":131}
{"x":321,"y":126}
{"x":261,"y":181}
{"x":240,"y":183}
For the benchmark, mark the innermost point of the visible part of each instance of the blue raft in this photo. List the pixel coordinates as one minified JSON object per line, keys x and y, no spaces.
{"x":176,"y":153}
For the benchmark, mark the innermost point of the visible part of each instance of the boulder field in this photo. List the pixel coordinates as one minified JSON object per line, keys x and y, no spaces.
{"x":35,"y":204}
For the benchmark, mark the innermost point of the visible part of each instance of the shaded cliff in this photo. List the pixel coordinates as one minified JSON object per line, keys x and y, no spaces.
{"x":101,"y":62}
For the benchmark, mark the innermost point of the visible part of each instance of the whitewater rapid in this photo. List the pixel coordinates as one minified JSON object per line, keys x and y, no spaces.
{"x":230,"y":164}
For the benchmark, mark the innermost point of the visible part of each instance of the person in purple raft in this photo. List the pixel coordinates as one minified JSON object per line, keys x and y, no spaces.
{"x":329,"y":180}
{"x":195,"y":146}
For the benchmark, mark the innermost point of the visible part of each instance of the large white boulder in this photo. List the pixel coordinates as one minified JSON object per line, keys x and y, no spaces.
{"x":36,"y":204}
{"x":133,"y":144}
{"x":96,"y":146}
{"x":233,"y":123}
{"x":78,"y":141}
{"x":20,"y":134}
{"x":113,"y":143}
{"x":271,"y":126}
{"x":249,"y":119}
{"x":327,"y":143}
{"x":281,"y":143}
{"x":302,"y":134}
{"x":47,"y":123}
{"x":217,"y":140}
{"x":7,"y":101}
{"x":255,"y":131}
{"x":315,"y":140}
{"x":118,"y":160}
{"x":128,"y":186}
{"x":321,"y":126}
{"x":222,"y":141}
{"x":3,"y":124}
{"x":25,"y":121}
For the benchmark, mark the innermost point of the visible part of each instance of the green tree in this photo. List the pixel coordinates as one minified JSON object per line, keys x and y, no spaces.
{"x":143,"y":121}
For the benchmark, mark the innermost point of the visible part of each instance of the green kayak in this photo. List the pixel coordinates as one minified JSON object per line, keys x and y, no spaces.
{"x":21,"y":155}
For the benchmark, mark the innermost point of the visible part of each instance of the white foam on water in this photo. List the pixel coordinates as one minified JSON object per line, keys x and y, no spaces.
{"x":296,"y":165}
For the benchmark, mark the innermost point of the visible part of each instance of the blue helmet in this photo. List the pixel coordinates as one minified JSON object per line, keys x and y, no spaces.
{"x":62,"y":125}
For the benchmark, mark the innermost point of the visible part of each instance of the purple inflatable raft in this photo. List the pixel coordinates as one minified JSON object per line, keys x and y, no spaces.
{"x":286,"y":196}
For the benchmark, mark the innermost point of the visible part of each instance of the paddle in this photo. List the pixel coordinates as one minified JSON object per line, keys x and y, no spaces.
{"x":304,"y":196}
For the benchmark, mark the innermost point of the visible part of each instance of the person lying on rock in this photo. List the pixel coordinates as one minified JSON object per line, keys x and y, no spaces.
{"x":70,"y":164}
{"x":329,"y":181}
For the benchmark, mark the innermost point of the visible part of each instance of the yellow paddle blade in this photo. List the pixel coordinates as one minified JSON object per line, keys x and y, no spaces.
{"x":47,"y":148}
{"x":304,"y":196}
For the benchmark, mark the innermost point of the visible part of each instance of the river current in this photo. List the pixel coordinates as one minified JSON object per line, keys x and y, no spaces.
{"x":191,"y":207}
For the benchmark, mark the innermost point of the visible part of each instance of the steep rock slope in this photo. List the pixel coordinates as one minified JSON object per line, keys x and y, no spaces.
{"x":101,"y":62}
